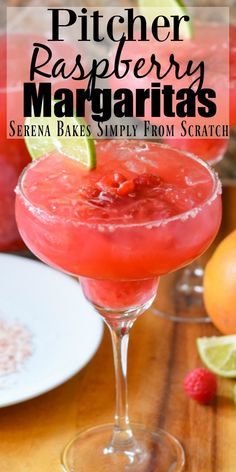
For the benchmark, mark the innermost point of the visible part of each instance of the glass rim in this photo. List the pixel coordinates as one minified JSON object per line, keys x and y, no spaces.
{"x":192,"y":213}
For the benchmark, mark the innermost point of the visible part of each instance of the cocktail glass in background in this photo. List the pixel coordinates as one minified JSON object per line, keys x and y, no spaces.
{"x":14,"y":155}
{"x":13,"y":158}
{"x":144,"y":211}
{"x":186,"y":287}
{"x":186,"y":304}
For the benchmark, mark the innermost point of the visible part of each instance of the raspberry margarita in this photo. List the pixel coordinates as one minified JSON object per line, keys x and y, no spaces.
{"x":209,"y":45}
{"x":144,"y":211}
{"x":212,"y":150}
{"x":13,"y":152}
{"x":13,"y":158}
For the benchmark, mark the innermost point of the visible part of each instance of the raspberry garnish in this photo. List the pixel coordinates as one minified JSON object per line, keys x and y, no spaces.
{"x":119,"y":178}
{"x":115,"y":186}
{"x":111,"y":181}
{"x":126,"y":188}
{"x":201,"y":385}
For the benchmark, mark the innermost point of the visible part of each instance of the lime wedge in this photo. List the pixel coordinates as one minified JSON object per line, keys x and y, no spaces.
{"x":151,"y":8}
{"x":218,"y":353}
{"x":81,"y":148}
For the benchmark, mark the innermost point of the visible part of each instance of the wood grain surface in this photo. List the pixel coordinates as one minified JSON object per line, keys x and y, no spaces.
{"x":32,"y":434}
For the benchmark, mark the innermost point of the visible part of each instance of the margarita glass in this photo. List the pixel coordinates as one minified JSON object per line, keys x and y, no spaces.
{"x":213,"y":150}
{"x":145,"y":210}
{"x":215,"y":57}
{"x":188,"y":284}
{"x":209,"y":44}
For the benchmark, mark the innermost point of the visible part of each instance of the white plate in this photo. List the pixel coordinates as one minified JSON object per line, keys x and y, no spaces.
{"x":65,"y":329}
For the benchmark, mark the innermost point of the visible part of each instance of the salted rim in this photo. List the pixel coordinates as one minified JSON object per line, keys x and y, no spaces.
{"x":192,"y":213}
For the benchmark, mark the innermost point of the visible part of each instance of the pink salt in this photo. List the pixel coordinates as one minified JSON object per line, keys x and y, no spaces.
{"x":15,"y":346}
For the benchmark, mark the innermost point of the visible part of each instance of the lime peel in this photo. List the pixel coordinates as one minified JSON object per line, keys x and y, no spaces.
{"x":218,"y":353}
{"x":81,"y":148}
{"x":167,"y":8}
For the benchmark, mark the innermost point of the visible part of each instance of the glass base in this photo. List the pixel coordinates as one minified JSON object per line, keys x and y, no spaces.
{"x":91,"y":451}
{"x":185,"y":296}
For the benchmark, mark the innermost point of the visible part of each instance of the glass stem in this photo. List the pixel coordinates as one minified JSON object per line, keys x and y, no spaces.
{"x":122,"y":434}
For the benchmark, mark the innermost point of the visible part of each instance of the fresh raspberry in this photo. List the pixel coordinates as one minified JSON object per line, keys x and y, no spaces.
{"x":147,"y":180}
{"x":125,"y":188}
{"x":112,"y":180}
{"x":201,"y":385}
{"x":118,"y":178}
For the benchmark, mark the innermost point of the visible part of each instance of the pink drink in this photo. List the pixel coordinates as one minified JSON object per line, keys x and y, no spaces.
{"x":144,"y":211}
{"x":212,"y":150}
{"x":13,"y":158}
{"x":203,"y":46}
{"x":232,"y":65}
{"x":13,"y":153}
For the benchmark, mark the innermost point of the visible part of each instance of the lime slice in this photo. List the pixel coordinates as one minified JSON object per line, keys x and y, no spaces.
{"x":151,"y":8}
{"x":218,"y":353}
{"x":81,"y":148}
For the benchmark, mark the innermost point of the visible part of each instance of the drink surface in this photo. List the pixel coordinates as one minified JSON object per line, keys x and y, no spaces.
{"x":133,"y":183}
{"x":145,"y":210}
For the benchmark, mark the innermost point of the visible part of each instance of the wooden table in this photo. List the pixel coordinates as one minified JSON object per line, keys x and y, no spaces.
{"x":32,"y":434}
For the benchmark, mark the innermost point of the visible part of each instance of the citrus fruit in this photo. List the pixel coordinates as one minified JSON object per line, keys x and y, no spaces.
{"x":218,"y":353}
{"x":220,"y":286}
{"x":80,"y":147}
{"x":151,"y":8}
